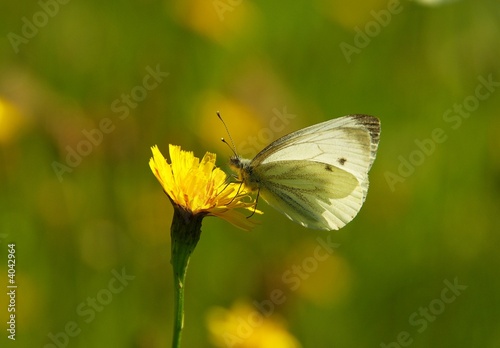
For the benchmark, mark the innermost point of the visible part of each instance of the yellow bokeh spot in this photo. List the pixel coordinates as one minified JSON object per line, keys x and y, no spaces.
{"x":28,"y":302}
{"x":325,"y":278}
{"x":241,"y":120}
{"x":351,"y":14}
{"x":222,"y":21}
{"x":243,"y":326}
{"x":12,"y":122}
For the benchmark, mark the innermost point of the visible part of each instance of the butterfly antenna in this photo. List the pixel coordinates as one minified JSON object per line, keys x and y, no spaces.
{"x":231,"y":146}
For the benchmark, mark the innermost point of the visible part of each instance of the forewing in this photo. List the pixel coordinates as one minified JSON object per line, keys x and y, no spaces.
{"x":348,"y":143}
{"x":313,"y":194}
{"x":329,"y":142}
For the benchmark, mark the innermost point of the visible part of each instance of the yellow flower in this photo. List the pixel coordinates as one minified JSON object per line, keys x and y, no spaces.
{"x":196,"y":189}
{"x":200,"y":187}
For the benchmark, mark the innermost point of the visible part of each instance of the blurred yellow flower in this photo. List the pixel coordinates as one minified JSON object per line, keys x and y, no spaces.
{"x":12,"y":121}
{"x":200,"y":187}
{"x":221,"y":21}
{"x":243,"y":326}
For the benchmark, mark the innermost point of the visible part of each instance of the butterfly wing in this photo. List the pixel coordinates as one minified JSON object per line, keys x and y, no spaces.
{"x":318,"y":176}
{"x":313,"y":194}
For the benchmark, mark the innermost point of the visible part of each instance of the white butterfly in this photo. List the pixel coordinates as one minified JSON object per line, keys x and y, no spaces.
{"x":316,"y":176}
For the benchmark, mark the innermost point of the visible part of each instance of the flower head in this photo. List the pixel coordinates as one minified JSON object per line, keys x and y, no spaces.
{"x":199,"y":187}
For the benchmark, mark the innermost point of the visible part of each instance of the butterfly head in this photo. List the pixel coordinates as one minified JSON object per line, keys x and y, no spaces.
{"x":243,"y":168}
{"x":239,"y":165}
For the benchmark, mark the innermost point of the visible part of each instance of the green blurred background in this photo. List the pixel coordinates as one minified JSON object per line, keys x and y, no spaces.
{"x":431,"y":217}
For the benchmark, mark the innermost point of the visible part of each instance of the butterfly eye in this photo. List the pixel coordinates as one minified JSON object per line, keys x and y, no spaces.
{"x":235,"y":161}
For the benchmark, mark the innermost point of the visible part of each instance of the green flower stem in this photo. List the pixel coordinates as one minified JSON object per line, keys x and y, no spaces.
{"x":185,"y":233}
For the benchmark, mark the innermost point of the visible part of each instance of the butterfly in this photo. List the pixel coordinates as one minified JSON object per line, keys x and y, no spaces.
{"x":316,"y":176}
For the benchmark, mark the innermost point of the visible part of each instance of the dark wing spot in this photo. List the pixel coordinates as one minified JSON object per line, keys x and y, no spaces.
{"x":342,"y":160}
{"x":328,"y":167}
